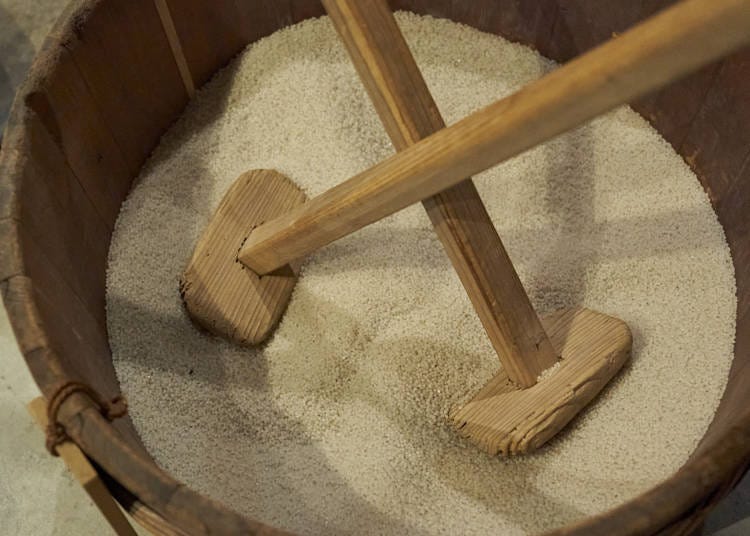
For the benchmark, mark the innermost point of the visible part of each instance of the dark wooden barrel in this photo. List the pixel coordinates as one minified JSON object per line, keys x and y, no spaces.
{"x":107,"y":85}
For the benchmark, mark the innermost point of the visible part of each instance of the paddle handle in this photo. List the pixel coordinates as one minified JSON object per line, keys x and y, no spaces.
{"x":408,"y":112}
{"x":665,"y":47}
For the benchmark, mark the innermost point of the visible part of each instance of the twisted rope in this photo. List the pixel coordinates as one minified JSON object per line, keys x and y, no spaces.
{"x":55,"y":433}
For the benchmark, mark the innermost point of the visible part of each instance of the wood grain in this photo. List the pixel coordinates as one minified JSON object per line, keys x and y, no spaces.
{"x":409,"y":113}
{"x":65,"y":106}
{"x":665,"y":47}
{"x":212,"y":31}
{"x":85,"y":474}
{"x":137,"y":88}
{"x":220,"y":294}
{"x":547,"y":25}
{"x":501,"y":418}
{"x":174,"y":43}
{"x":80,"y":236}
{"x":154,"y":524}
{"x":62,"y":243}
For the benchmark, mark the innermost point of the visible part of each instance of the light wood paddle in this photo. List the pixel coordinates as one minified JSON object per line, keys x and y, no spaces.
{"x":264,"y":226}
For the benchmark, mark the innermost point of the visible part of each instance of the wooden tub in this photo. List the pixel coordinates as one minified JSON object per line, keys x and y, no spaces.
{"x":113,"y":76}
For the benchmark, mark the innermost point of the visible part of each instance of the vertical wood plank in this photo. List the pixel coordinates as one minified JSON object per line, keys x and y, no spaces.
{"x":176,"y":45}
{"x":62,"y":102}
{"x":306,"y":9}
{"x":673,"y":109}
{"x":60,"y":217}
{"x":260,"y":18}
{"x":718,"y":142}
{"x":210,"y":31}
{"x":133,"y":77}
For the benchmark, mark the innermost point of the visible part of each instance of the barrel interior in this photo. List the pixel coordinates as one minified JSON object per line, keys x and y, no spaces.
{"x":106,"y":86}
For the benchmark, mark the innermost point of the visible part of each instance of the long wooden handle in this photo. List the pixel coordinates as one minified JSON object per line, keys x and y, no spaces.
{"x":667,"y":46}
{"x":409,"y":113}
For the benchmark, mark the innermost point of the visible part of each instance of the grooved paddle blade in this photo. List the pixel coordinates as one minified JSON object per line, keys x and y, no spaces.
{"x":501,"y":418}
{"x":220,"y":294}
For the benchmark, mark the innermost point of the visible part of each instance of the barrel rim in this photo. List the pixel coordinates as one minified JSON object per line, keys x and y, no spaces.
{"x":150,"y":494}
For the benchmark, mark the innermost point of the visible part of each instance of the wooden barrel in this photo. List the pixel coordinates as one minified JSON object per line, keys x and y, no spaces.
{"x":115,"y":74}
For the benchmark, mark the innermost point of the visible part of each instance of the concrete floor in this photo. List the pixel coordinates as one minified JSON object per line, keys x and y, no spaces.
{"x":37,"y":495}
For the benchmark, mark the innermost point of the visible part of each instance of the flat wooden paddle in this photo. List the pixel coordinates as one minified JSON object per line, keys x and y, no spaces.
{"x":409,"y":113}
{"x":513,"y":413}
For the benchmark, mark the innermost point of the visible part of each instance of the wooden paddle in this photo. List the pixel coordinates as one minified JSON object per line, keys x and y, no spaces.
{"x":280,"y":228}
{"x":408,"y":113}
{"x":665,"y":47}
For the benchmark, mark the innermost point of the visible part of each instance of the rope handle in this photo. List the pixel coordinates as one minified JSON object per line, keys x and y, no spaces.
{"x":55,"y":432}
